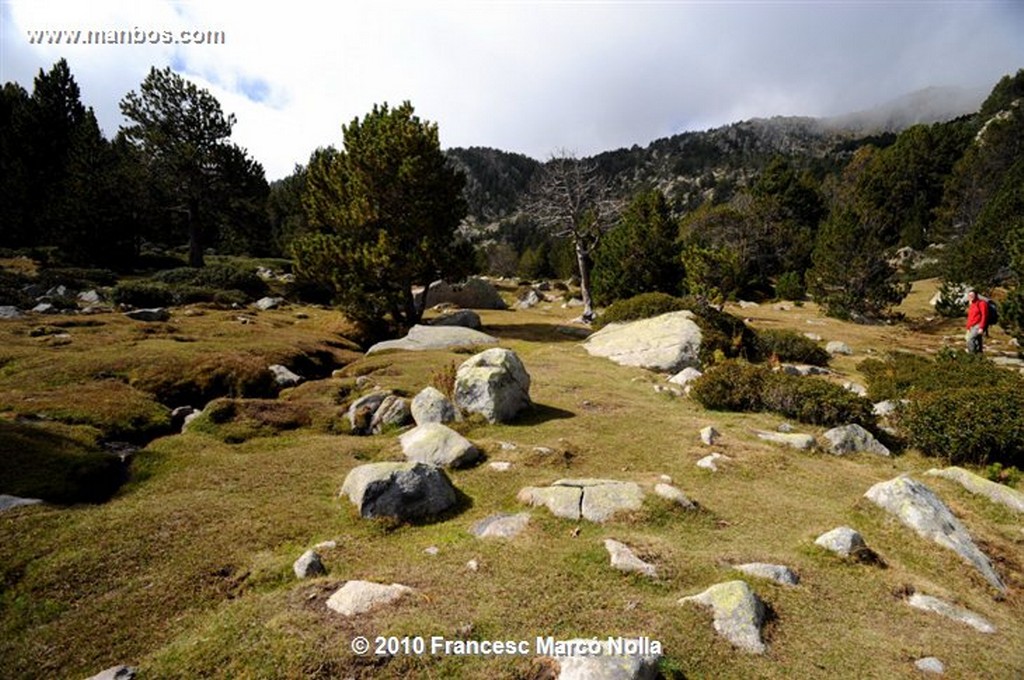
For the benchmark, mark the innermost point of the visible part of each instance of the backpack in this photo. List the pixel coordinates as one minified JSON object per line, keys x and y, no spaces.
{"x":993,"y":313}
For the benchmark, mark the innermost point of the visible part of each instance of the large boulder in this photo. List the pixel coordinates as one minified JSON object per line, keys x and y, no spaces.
{"x":438,"y":445}
{"x":475,"y":293}
{"x":738,"y":613}
{"x":494,"y":384}
{"x":422,"y":338}
{"x":853,"y":439}
{"x":917,"y":507}
{"x":406,"y":491}
{"x":596,"y":500}
{"x":431,"y":406}
{"x":667,"y":343}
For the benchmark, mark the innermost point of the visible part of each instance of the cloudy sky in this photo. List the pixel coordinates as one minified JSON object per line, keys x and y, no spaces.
{"x":525,"y":76}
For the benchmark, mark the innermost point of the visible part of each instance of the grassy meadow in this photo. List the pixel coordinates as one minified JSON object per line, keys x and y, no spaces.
{"x":186,"y":571}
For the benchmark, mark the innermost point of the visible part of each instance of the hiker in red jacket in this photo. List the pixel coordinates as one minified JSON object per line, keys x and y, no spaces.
{"x":977,"y":321}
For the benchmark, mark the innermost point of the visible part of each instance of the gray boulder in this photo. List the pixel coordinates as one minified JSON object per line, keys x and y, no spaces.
{"x":917,"y":507}
{"x":773,"y":572}
{"x":709,"y":435}
{"x":267,"y":303}
{"x":710,"y":461}
{"x":431,"y":406}
{"x":90,"y":297}
{"x":530,"y":299}
{"x":284,"y":377}
{"x":685,"y":376}
{"x":842,"y":541}
{"x":494,"y":384}
{"x":624,"y":559}
{"x":421,"y":338}
{"x":392,"y":412}
{"x":152,"y":315}
{"x":837,"y":347}
{"x":465,"y":318}
{"x":796,"y":440}
{"x":667,"y":343}
{"x":738,"y":614}
{"x":475,"y":293}
{"x":675,"y":495}
{"x":595,"y":500}
{"x":501,"y":525}
{"x":997,"y":493}
{"x":7,"y":502}
{"x":9,"y":312}
{"x":361,"y":411}
{"x":406,"y":491}
{"x":853,"y":439}
{"x":930,"y":664}
{"x":436,"y":444}
{"x":309,"y":565}
{"x":359,"y":597}
{"x":950,"y":611}
{"x":602,"y":660}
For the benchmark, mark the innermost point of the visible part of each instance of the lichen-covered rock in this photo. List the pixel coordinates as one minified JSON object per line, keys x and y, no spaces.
{"x":561,"y":501}
{"x":667,"y":343}
{"x":494,"y":384}
{"x":773,"y":572}
{"x":853,"y":439}
{"x":997,"y":493}
{"x":392,"y":412}
{"x":595,"y":500}
{"x":951,"y":611}
{"x":738,"y":613}
{"x":406,"y":491}
{"x":917,"y":507}
{"x":359,"y":597}
{"x":431,"y":406}
{"x":439,"y":445}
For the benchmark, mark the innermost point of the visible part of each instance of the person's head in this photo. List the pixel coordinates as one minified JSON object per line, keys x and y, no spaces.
{"x":972,"y":295}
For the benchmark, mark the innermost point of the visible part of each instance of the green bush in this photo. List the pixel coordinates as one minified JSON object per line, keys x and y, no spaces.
{"x":77,"y":277}
{"x":643,"y":306}
{"x":143,"y":294}
{"x":951,"y":303}
{"x":972,"y":425}
{"x":223,"y":277}
{"x":738,"y":386}
{"x":791,"y":346}
{"x":790,"y":286}
{"x":902,"y":374}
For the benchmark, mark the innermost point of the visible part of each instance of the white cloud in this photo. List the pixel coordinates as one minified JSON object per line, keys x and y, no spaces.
{"x":525,"y":76}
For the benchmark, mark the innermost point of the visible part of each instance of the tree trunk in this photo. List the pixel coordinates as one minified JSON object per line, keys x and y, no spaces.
{"x":413,"y":313}
{"x":583,"y":261}
{"x":195,"y":244}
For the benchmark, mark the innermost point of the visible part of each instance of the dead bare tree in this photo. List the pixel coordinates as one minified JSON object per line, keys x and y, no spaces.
{"x":571,"y":199}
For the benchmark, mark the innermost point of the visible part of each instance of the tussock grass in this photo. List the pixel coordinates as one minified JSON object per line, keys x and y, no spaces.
{"x":196,"y":551}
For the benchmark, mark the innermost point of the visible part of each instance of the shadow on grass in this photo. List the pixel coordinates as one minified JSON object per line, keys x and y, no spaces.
{"x":539,"y":332}
{"x":541,"y":413}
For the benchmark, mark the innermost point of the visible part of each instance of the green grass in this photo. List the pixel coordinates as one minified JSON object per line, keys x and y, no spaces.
{"x":186,"y":572}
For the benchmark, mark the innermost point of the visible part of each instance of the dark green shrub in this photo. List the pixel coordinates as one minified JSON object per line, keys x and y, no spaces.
{"x":643,"y":306}
{"x":737,"y":386}
{"x":76,"y":277}
{"x":902,"y":374}
{"x":790,"y":286}
{"x":952,"y":302}
{"x":791,"y":346}
{"x":143,"y":294}
{"x":973,"y":425}
{"x":1000,"y":474}
{"x":223,"y":277}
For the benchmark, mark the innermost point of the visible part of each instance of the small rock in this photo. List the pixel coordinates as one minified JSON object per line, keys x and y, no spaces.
{"x":392,"y":412}
{"x":326,"y":545}
{"x":152,"y":315}
{"x":500,"y":526}
{"x":785,"y":428}
{"x":671,"y":493}
{"x":500,"y":465}
{"x":115,"y":673}
{"x":45,"y":308}
{"x":626,"y":560}
{"x":773,"y":572}
{"x":283,"y":377}
{"x":362,"y":410}
{"x":709,"y":435}
{"x":432,"y":550}
{"x":853,"y":439}
{"x":842,"y":541}
{"x":7,"y":502}
{"x":950,"y":611}
{"x":358,"y":597}
{"x":432,"y":406}
{"x":466,"y":318}
{"x":930,"y":664}
{"x":837,"y":347}
{"x":473,"y":565}
{"x":856,"y":388}
{"x":744,"y":304}
{"x":362,"y":382}
{"x":179,"y":416}
{"x":803,"y":442}
{"x":710,"y":462}
{"x":267,"y":303}
{"x":439,"y":445}
{"x":599,"y":660}
{"x":9,"y":312}
{"x":89,"y":297}
{"x":685,"y":376}
{"x":884,"y":409}
{"x":309,"y":565}
{"x":813,"y":336}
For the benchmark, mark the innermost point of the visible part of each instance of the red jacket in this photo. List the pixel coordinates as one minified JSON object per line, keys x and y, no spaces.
{"x":977,"y":314}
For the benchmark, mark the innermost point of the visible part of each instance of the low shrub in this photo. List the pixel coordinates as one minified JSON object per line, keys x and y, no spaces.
{"x":643,"y":306}
{"x":78,"y":278}
{"x":790,"y":286}
{"x":1000,"y":474}
{"x":970,"y":425}
{"x":739,"y":386}
{"x":791,"y":346}
{"x":443,"y":379}
{"x":902,"y":374}
{"x":222,"y":277}
{"x":143,"y":294}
